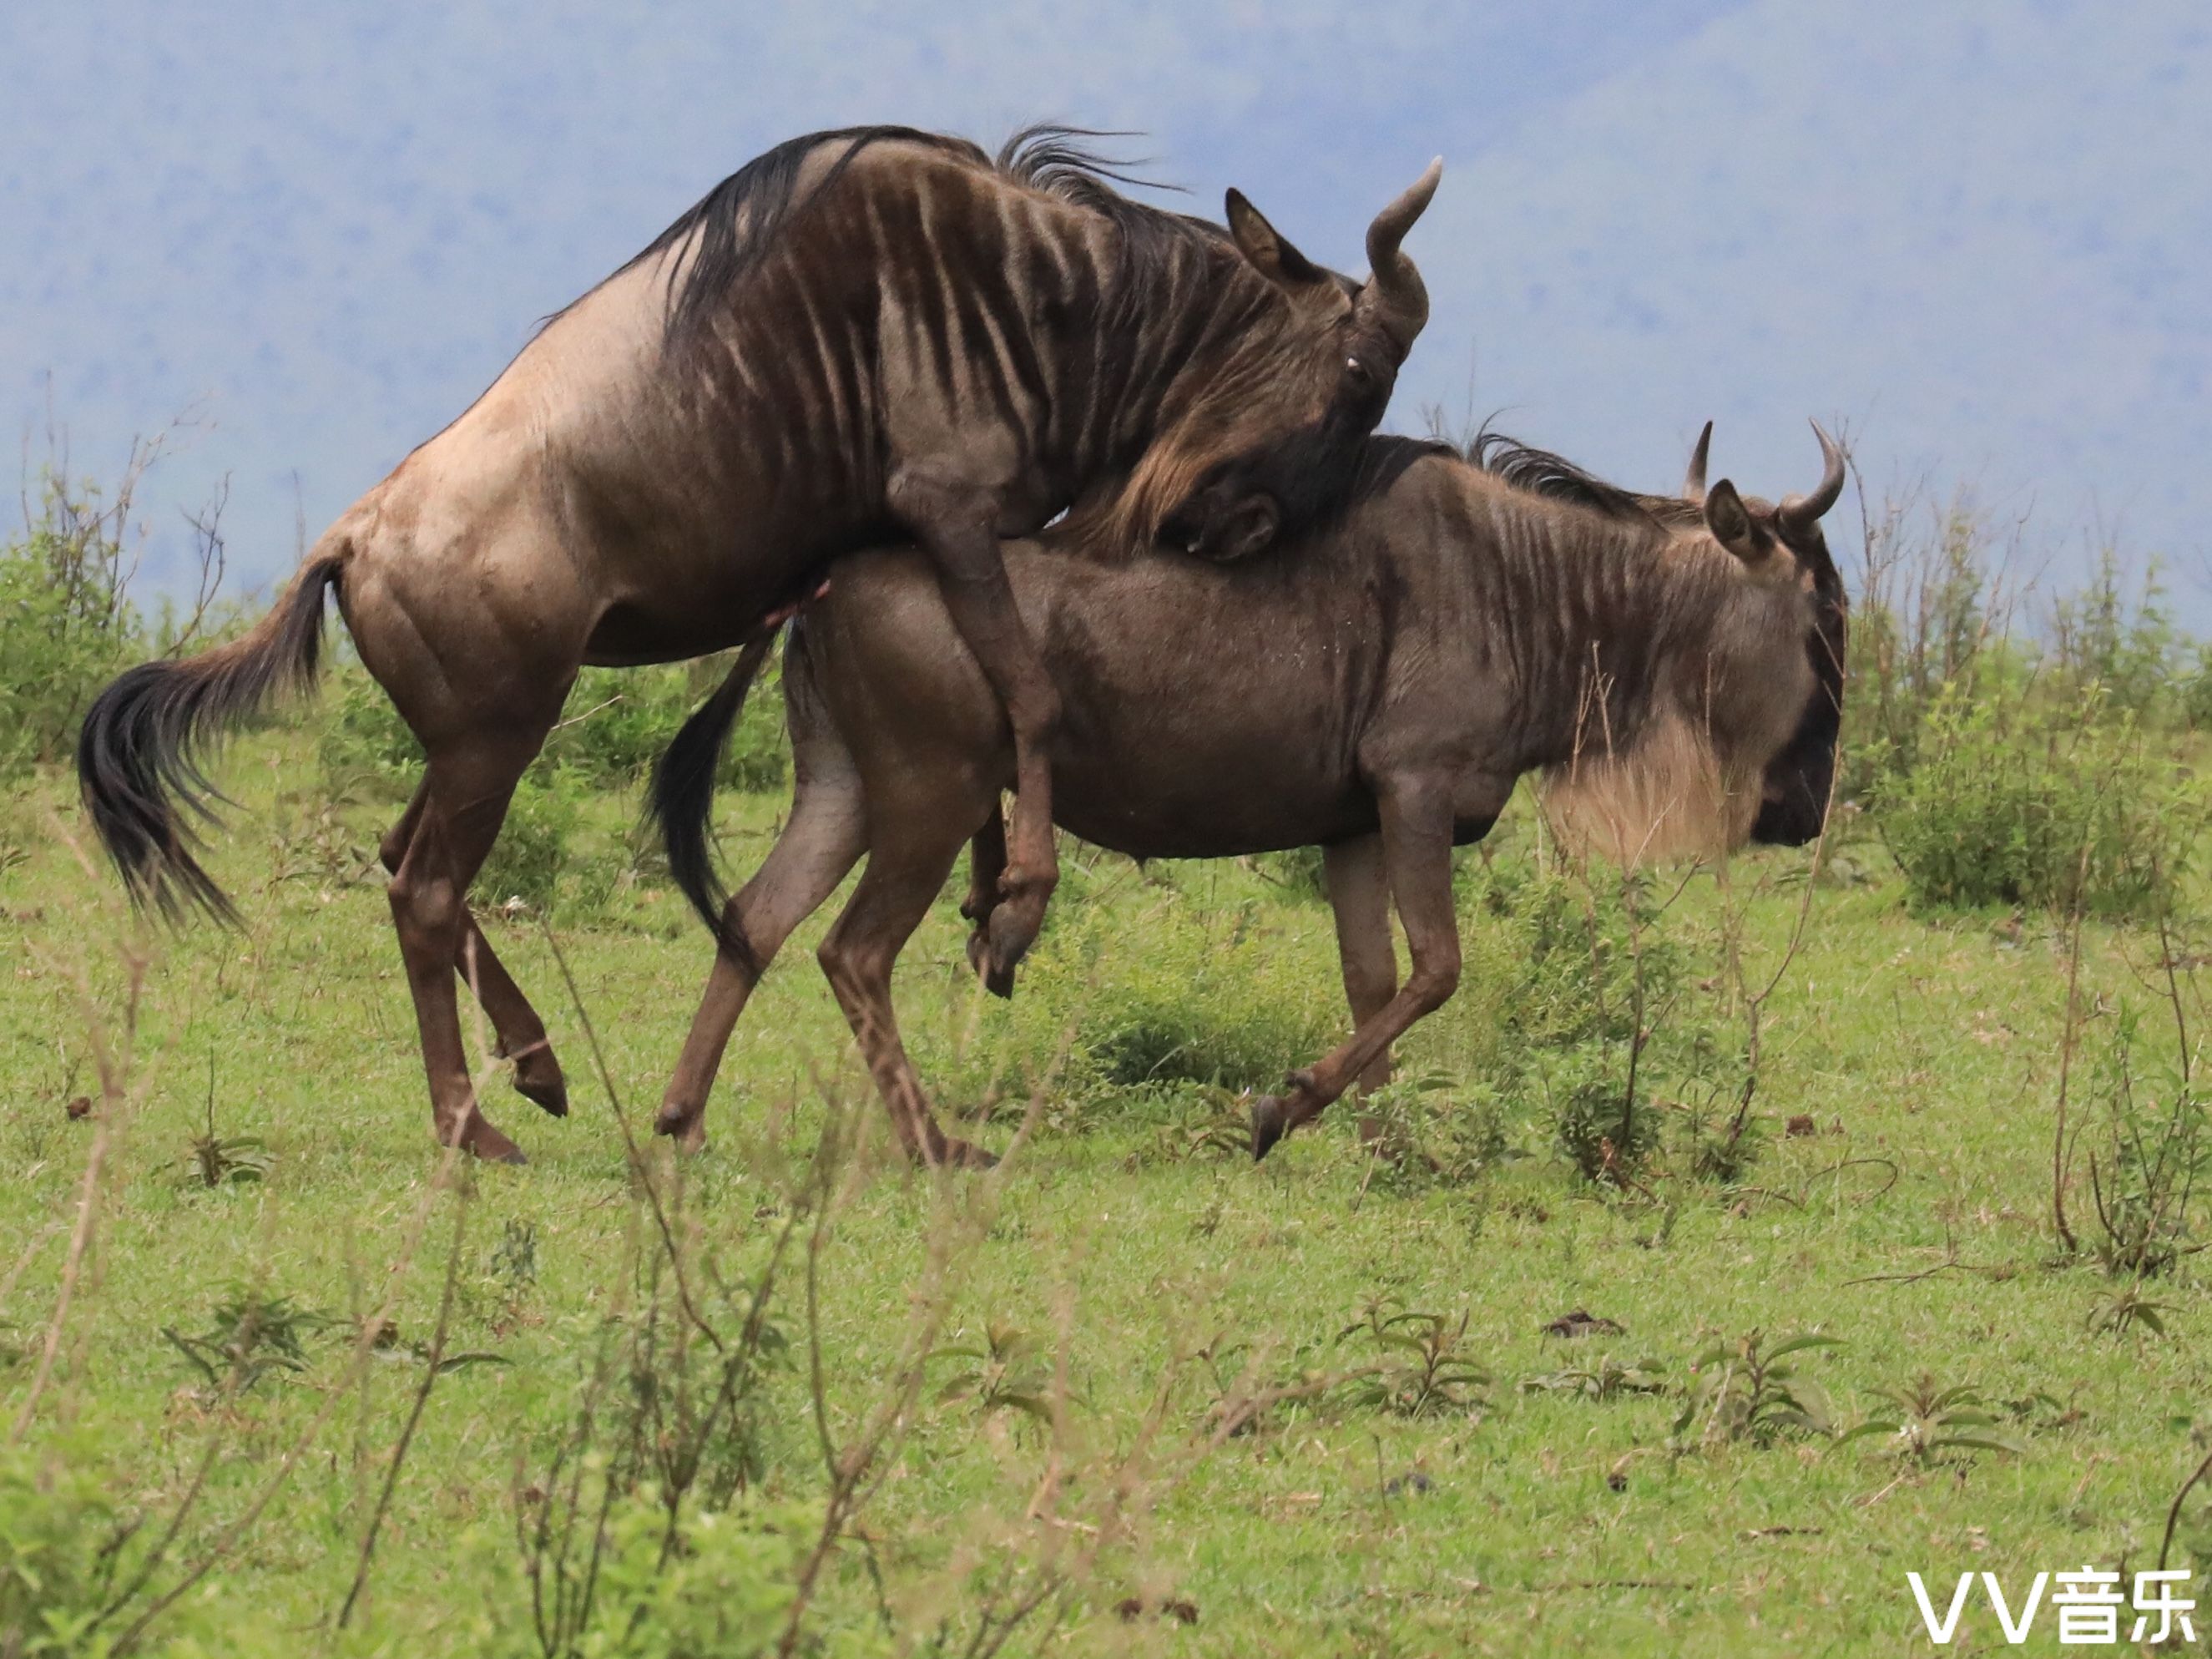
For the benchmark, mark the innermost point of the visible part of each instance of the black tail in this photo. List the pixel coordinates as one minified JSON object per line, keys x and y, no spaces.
{"x":682,"y":800}
{"x":137,"y":758}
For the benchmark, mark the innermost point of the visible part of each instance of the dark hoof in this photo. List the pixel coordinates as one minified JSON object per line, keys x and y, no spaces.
{"x":1271,"y":1121}
{"x":998,"y":982}
{"x":537,"y":1077}
{"x":688,"y":1128}
{"x":550,"y":1097}
{"x":963,"y":1155}
{"x":488,"y":1146}
{"x":967,"y":1157}
{"x":1013,"y":929}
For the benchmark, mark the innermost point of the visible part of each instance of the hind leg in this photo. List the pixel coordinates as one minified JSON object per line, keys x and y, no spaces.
{"x":896,"y":891}
{"x":826,"y":835}
{"x":1417,"y":817}
{"x":466,"y":790}
{"x":520,"y":1033}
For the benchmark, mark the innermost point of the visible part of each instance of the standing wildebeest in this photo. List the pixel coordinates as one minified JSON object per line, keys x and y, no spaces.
{"x":862,"y":335}
{"x":1674,"y":668}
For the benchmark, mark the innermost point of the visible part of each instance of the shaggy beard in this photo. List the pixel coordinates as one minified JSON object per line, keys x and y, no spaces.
{"x":1668,"y":798}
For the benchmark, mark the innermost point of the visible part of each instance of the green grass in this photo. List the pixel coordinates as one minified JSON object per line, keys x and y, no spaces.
{"x":1926,"y":1054}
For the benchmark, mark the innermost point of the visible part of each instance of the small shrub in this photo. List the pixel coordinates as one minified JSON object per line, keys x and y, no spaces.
{"x":1430,"y":1128}
{"x":665,"y":1580}
{"x":1576,"y":950}
{"x":2016,"y":804}
{"x":2192,"y":690}
{"x":363,"y":744}
{"x":2126,"y":647}
{"x":613,"y":728}
{"x":66,"y":626}
{"x":1720,"y":1140}
{"x":1207,"y":1000}
{"x":2156,"y":1151}
{"x":526,"y":861}
{"x":1600,"y":1124}
{"x":61,"y":1537}
{"x":618,"y":721}
{"x":1595,"y":1018}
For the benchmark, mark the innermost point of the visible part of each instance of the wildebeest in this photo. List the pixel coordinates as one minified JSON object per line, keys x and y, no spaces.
{"x":1671,"y":667}
{"x":860,"y":335}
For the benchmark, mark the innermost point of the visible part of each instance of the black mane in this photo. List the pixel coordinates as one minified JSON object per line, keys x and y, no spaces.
{"x":737,"y":221}
{"x":1385,"y":458}
{"x":1540,"y":472}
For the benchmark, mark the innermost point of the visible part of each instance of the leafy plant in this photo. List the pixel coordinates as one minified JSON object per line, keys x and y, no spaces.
{"x":2157,"y":1148}
{"x":1594,"y":1015}
{"x":1219,"y":1126}
{"x":1606,"y":1379}
{"x":1743,"y":1388}
{"x":2126,"y":1310}
{"x":1421,"y":1366}
{"x":252,"y":1336}
{"x":1924,"y":1421}
{"x":219,"y":1160}
{"x":2126,"y":647}
{"x":1000,"y":1373}
{"x":1301,"y":872}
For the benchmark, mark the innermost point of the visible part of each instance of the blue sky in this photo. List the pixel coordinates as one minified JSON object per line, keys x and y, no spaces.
{"x":1977,"y":233}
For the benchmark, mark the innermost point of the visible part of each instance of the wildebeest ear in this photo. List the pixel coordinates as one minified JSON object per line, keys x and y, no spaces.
{"x":1267,"y":248}
{"x":1729,"y":520}
{"x":1239,"y":532}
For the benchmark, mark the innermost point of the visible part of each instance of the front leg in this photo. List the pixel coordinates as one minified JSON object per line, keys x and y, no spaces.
{"x":986,"y":865}
{"x":957,"y":527}
{"x":1417,"y":848}
{"x":1359,"y":894}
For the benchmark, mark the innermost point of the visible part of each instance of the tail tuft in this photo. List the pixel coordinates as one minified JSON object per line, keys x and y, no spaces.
{"x":138,"y":754}
{"x":681,"y":798}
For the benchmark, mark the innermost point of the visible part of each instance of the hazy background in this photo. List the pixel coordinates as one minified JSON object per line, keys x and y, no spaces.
{"x":1975,"y":233}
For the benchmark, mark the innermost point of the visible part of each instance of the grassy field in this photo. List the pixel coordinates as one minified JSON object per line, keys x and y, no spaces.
{"x":1104,"y":1311}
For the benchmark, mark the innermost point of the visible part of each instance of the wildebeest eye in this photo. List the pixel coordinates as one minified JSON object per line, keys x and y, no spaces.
{"x":1359,"y":372}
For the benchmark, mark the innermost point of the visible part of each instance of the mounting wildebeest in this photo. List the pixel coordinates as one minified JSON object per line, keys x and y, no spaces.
{"x":862,"y":335}
{"x":1672,"y":666}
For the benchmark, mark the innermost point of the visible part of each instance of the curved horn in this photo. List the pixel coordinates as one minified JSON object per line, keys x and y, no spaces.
{"x":1395,"y":300}
{"x":1801,"y":512}
{"x":1693,"y":482}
